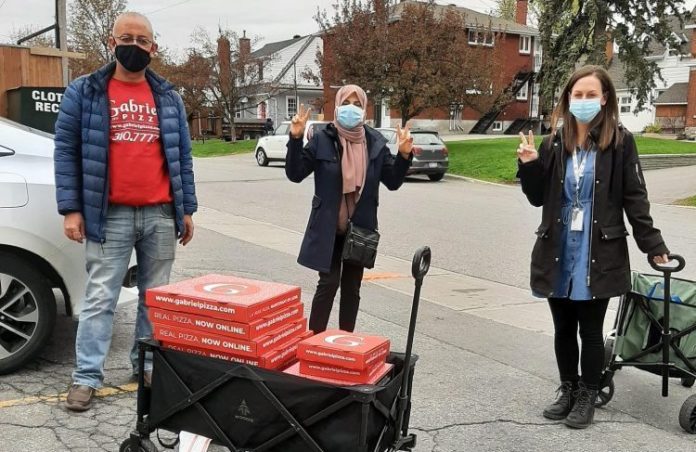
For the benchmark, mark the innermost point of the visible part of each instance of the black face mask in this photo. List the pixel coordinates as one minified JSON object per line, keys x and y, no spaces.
{"x":132,"y":57}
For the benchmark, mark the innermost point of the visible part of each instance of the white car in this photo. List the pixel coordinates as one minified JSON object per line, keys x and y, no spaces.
{"x":35,"y":257}
{"x":273,"y":148}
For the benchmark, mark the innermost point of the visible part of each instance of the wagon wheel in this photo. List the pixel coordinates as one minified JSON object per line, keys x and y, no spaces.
{"x":687,"y":415}
{"x":605,"y":394}
{"x":688,"y":382}
{"x":145,"y":446}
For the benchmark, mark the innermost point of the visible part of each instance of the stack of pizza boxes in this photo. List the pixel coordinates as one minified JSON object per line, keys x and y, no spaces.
{"x":230,"y":318}
{"x":342,"y":358}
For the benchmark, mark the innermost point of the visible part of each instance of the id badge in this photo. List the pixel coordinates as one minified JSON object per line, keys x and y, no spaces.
{"x":576,"y":222}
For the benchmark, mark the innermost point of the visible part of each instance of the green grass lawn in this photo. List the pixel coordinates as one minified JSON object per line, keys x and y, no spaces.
{"x":216,"y":148}
{"x":687,"y":202}
{"x":495,"y":159}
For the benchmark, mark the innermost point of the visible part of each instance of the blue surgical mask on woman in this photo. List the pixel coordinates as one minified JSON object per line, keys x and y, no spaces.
{"x":585,"y":110}
{"x":349,"y":116}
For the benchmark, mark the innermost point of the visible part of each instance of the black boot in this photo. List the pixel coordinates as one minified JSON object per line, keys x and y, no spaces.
{"x":582,"y":414}
{"x":564,"y":401}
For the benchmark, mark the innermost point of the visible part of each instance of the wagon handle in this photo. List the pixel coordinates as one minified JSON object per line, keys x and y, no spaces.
{"x":421,"y":263}
{"x":681,"y":263}
{"x":420,"y":267}
{"x":666,"y":331}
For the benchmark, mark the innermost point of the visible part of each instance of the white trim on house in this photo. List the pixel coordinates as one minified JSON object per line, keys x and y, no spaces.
{"x":287,"y":105}
{"x":525,"y":45}
{"x":523,"y":93}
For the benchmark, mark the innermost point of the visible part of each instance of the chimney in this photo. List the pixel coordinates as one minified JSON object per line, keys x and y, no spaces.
{"x":223,"y":54}
{"x":521,"y":12}
{"x":244,"y":47}
{"x":610,"y":49}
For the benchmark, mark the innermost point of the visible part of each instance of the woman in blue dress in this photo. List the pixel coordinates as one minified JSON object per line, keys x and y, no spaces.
{"x":585,"y":176}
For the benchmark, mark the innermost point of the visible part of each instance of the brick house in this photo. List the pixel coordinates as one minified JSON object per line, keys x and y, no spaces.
{"x":522,"y":53}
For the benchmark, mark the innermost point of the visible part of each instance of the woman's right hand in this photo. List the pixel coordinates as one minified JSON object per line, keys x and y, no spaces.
{"x":299,"y":121}
{"x":526,"y":151}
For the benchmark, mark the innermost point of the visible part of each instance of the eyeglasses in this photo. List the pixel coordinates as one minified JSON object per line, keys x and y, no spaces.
{"x":128,"y":39}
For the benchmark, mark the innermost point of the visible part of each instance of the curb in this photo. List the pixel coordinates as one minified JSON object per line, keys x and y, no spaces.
{"x":479,"y":181}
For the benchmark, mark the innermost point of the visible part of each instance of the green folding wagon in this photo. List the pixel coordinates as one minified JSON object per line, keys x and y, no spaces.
{"x":655,"y":331}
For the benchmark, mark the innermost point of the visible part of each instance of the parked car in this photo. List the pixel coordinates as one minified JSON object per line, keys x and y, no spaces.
{"x":272,"y":148}
{"x":430,"y":155}
{"x":35,"y":257}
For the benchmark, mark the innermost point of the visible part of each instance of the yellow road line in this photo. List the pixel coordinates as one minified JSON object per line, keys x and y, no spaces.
{"x":104,"y":392}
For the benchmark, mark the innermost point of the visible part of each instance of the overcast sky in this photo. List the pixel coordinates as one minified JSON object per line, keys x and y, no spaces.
{"x":270,"y":20}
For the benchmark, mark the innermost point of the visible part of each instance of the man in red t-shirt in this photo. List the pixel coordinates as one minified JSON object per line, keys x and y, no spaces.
{"x":123,"y":182}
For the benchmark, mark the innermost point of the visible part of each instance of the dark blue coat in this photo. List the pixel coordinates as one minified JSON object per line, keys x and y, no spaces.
{"x":322,"y":156}
{"x":82,"y":147}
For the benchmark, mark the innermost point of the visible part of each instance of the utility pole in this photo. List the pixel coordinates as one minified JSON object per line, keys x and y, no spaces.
{"x":62,"y":36}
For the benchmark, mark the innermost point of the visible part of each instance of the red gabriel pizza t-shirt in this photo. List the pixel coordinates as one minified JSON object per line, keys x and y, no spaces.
{"x":138,"y":174}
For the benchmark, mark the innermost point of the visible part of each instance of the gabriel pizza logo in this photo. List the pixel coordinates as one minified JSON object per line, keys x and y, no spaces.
{"x":229,"y":289}
{"x":344,"y":340}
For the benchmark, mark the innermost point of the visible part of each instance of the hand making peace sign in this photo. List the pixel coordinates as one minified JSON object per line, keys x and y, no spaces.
{"x":526,"y":151}
{"x":299,"y":121}
{"x":404,"y":140}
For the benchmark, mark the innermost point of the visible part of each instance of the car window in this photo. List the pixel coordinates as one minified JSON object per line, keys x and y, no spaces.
{"x":426,"y":138}
{"x":390,"y":135}
{"x":282,"y":129}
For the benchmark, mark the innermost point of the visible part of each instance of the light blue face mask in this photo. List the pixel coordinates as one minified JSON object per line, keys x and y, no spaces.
{"x":349,"y":116}
{"x":585,"y":110}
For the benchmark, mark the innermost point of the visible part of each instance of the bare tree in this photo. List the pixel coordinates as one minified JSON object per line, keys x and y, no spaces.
{"x":90,"y":26}
{"x":420,"y":58}
{"x":233,"y":74}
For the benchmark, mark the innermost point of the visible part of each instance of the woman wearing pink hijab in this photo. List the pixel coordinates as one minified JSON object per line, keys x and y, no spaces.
{"x":349,"y":160}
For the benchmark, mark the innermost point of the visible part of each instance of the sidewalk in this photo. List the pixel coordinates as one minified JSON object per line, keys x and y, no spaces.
{"x":668,"y":185}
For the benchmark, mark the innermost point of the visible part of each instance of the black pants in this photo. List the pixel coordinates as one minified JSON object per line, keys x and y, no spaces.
{"x":589,"y":316}
{"x":349,"y":280}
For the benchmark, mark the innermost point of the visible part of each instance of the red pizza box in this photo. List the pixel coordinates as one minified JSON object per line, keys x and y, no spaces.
{"x":383,"y":371}
{"x":252,"y":330}
{"x":249,"y":348}
{"x":275,"y":359}
{"x":340,"y":373}
{"x":224,"y":297}
{"x":343,"y":349}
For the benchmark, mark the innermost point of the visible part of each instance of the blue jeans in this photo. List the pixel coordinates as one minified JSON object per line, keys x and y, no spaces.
{"x":152,"y":231}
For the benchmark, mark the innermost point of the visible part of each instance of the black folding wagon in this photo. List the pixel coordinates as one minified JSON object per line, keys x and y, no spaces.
{"x":655,"y":331}
{"x":249,"y":409}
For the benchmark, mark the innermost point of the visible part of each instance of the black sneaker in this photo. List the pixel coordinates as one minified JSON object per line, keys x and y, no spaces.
{"x":582,"y":414}
{"x":564,"y":402}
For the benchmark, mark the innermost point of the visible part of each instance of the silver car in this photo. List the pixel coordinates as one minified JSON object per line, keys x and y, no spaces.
{"x":36,"y":259}
{"x":430,"y":155}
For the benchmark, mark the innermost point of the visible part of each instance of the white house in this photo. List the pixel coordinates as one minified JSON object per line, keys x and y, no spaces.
{"x":674,"y":66}
{"x":286,"y":62}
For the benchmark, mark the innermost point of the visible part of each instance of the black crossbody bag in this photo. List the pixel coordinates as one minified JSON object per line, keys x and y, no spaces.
{"x":360,"y":246}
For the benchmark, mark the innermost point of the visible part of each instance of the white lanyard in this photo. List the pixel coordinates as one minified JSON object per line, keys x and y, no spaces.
{"x":579,"y":168}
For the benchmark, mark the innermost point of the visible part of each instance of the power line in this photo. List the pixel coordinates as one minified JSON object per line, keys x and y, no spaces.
{"x":3,"y":3}
{"x":165,"y":7}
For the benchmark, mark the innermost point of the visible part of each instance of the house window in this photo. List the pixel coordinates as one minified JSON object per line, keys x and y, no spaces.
{"x":625,"y":104}
{"x":238,"y":112}
{"x":291,"y":104}
{"x":480,"y":37}
{"x":523,"y":93}
{"x":498,"y":126}
{"x":525,"y":44}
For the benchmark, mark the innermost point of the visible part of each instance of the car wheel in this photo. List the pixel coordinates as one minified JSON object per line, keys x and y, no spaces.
{"x":27,"y":312}
{"x":261,"y":157}
{"x":436,"y":177}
